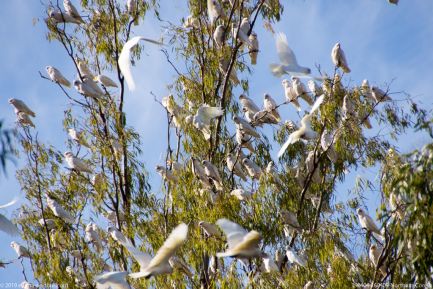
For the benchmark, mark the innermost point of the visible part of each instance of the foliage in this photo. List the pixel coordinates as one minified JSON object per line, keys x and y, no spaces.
{"x":326,"y":239}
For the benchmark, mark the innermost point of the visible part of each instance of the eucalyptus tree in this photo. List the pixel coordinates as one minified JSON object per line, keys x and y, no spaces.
{"x":278,"y":215}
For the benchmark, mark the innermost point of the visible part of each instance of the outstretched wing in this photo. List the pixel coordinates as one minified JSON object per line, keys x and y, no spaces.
{"x":173,"y":242}
{"x":10,"y":203}
{"x":251,"y":240}
{"x":317,"y":104}
{"x":8,"y":227}
{"x":207,"y":113}
{"x":125,"y":64}
{"x":142,"y":258}
{"x":286,"y":55}
{"x":235,"y":234}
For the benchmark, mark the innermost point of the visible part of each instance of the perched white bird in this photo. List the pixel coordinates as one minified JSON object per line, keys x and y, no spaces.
{"x":76,"y":164}
{"x":20,"y":106}
{"x":160,"y":263}
{"x":242,"y":32}
{"x":210,"y":229}
{"x":203,"y":117}
{"x":290,"y":94}
{"x":374,"y":254}
{"x":366,"y":89}
{"x":175,"y":165}
{"x":105,"y":81}
{"x":224,"y":64}
{"x":367,"y":222}
{"x":241,"y":243}
{"x":314,"y":88}
{"x":5,"y":224}
{"x":305,"y":132}
{"x":124,"y":62}
{"x":191,"y":22}
{"x":300,"y":90}
{"x":212,"y":172}
{"x":270,"y":106}
{"x":327,"y":143}
{"x":21,"y":251}
{"x":92,"y":236}
{"x":310,"y":162}
{"x":254,"y":48}
{"x":58,"y":210}
{"x":219,"y":35}
{"x":78,"y":137}
{"x":244,"y":140}
{"x":339,"y":58}
{"x":199,"y":172}
{"x":379,"y":95}
{"x":270,"y":170}
{"x":295,"y":258}
{"x":253,"y":170}
{"x":51,"y":224}
{"x":84,"y":70}
{"x":112,"y":280}
{"x":173,"y":109}
{"x":57,"y":16}
{"x":166,"y":174}
{"x":118,"y":236}
{"x":214,"y":10}
{"x":289,"y":64}
{"x":248,"y":104}
{"x":265,"y":116}
{"x":234,"y":165}
{"x":88,"y":88}
{"x":245,"y":127}
{"x":56,"y":76}
{"x":241,"y":194}
{"x":72,"y":11}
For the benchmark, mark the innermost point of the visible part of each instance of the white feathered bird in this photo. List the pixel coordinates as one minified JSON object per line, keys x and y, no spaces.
{"x":214,"y":10}
{"x":21,"y":251}
{"x":295,"y":258}
{"x":304,"y":132}
{"x":76,"y":163}
{"x":367,"y":222}
{"x":124,"y":61}
{"x":56,"y":76}
{"x":203,"y":117}
{"x":241,"y":243}
{"x":112,"y":280}
{"x":339,"y":58}
{"x":105,"y":81}
{"x":289,"y":64}
{"x":159,"y":264}
{"x":210,"y":229}
{"x":72,"y":11}
{"x":290,"y":94}
{"x":20,"y":106}
{"x":58,"y":210}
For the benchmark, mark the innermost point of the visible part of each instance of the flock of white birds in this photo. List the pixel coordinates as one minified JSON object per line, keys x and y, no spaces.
{"x":240,"y":243}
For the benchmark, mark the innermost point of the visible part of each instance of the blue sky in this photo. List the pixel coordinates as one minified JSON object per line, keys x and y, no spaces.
{"x":382,"y":43}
